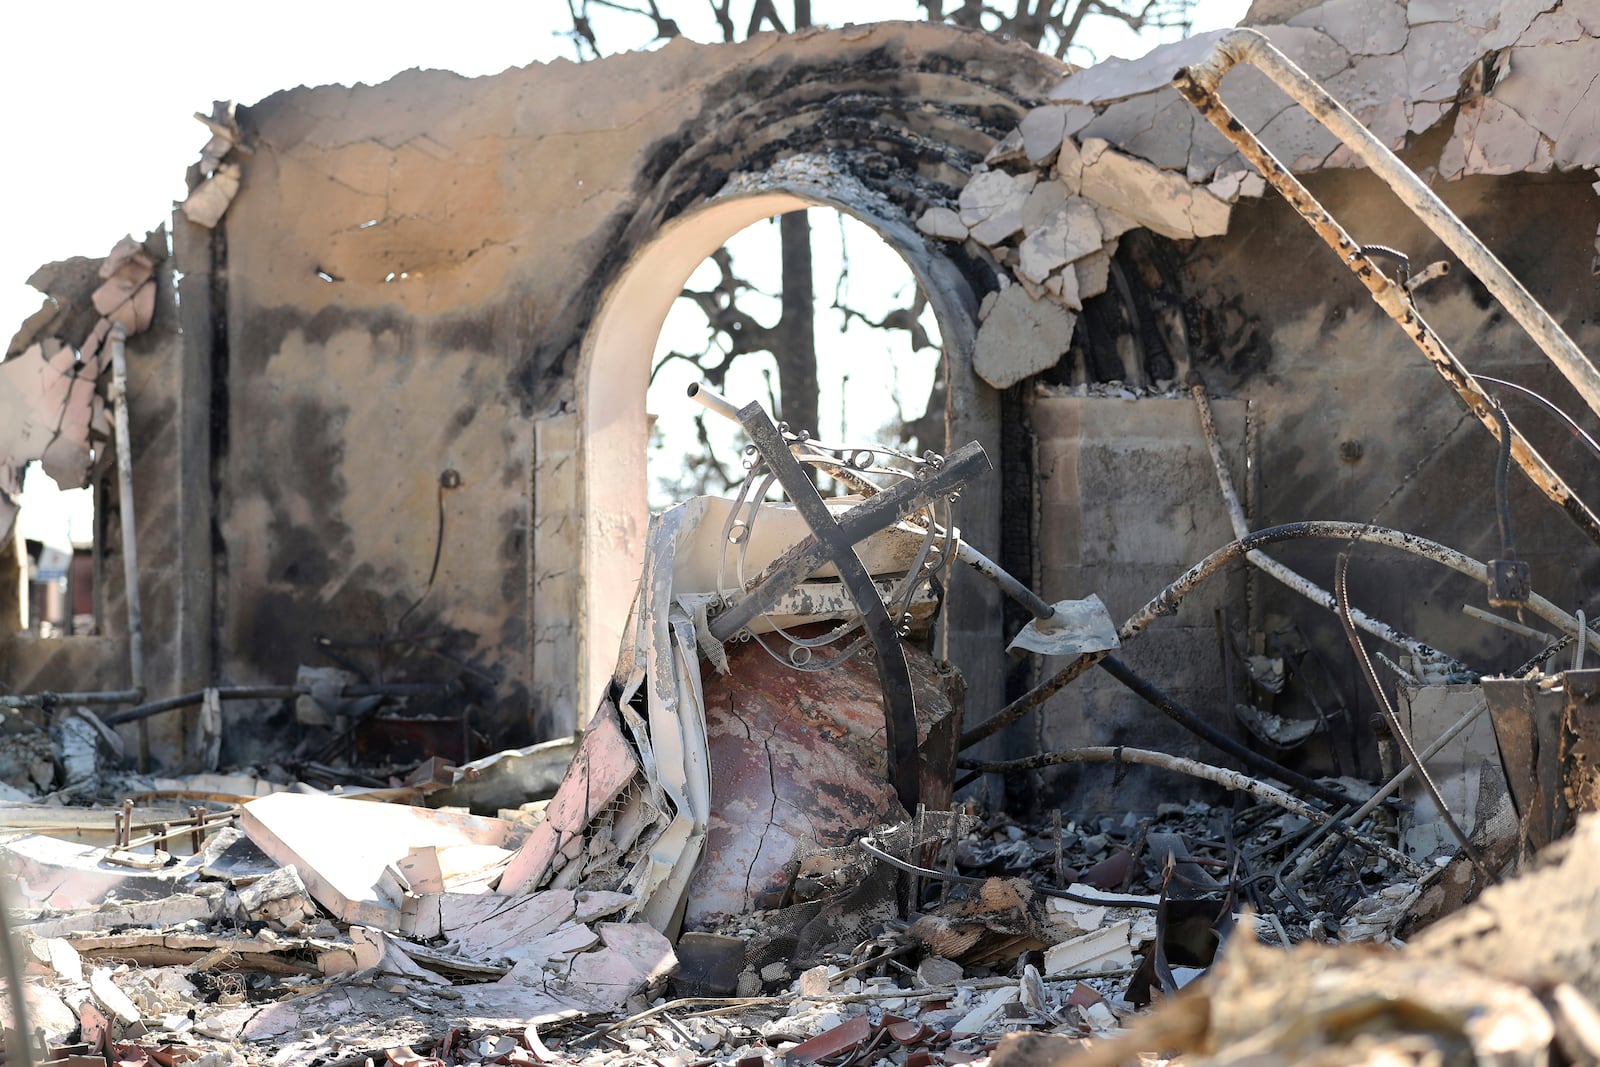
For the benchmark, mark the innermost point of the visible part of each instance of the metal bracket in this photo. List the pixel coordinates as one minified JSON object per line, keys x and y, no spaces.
{"x":1510,"y":583}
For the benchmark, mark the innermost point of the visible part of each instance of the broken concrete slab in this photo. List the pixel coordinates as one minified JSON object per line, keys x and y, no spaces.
{"x":1020,"y":337}
{"x":602,"y":768}
{"x":63,"y":875}
{"x":344,"y":869}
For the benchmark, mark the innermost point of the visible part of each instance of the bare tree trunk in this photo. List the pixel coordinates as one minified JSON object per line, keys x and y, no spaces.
{"x":795,"y":343}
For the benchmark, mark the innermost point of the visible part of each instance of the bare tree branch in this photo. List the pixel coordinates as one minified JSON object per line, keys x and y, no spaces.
{"x":723,"y":14}
{"x":764,"y":12}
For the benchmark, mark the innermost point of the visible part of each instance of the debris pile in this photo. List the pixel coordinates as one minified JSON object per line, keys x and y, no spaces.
{"x":756,"y":851}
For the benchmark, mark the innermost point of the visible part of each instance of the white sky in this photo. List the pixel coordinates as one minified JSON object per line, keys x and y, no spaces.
{"x":96,"y":98}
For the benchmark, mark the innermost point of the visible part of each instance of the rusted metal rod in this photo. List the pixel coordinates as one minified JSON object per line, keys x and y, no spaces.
{"x":1164,"y":702}
{"x":1198,"y":85}
{"x":48,"y":699}
{"x":1271,"y":567}
{"x":274,"y":692}
{"x":1166,"y":602}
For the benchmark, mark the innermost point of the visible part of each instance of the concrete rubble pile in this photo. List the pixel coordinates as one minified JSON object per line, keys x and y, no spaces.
{"x":764,"y":845}
{"x":665,"y":900}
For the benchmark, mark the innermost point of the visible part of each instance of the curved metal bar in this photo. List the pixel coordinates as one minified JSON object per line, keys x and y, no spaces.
{"x":1198,"y":85}
{"x":899,"y":702}
{"x":1166,"y":602}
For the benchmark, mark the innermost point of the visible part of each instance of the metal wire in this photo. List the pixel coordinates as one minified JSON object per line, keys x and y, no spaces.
{"x":1342,"y":588}
{"x":1577,"y":431}
{"x":1502,"y":470}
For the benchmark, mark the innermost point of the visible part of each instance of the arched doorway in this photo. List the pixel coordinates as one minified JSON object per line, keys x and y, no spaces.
{"x":614,"y":427}
{"x":815,"y":317}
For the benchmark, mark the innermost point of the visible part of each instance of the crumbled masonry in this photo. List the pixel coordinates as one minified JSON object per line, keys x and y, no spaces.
{"x":407,"y":736}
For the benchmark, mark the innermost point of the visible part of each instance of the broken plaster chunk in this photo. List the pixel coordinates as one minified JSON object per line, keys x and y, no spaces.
{"x":48,"y":404}
{"x":108,"y":996}
{"x":1113,"y":223}
{"x":1490,"y":138}
{"x":1156,"y":199}
{"x":816,"y":981}
{"x":208,"y":202}
{"x":1063,"y":285}
{"x":1361,"y":27}
{"x":280,"y":900}
{"x":1109,"y":948}
{"x":1118,"y":79}
{"x":58,"y":954}
{"x":1001,"y":226}
{"x":1042,"y":204}
{"x":1093,"y":272}
{"x":592,"y":904}
{"x":1556,"y":26}
{"x":1436,"y":55}
{"x":983,"y":195}
{"x":556,"y":947}
{"x":994,"y":192}
{"x":1020,"y":338}
{"x":1069,"y":166}
{"x":944,"y":223}
{"x":1008,"y":149}
{"x":1238,"y":184}
{"x":936,"y":971}
{"x":1313,"y":51}
{"x":1044,"y":129}
{"x":128,"y":295}
{"x":1074,"y":232}
{"x":1466,"y":12}
{"x":987,"y":1011}
{"x":1545,"y":89}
